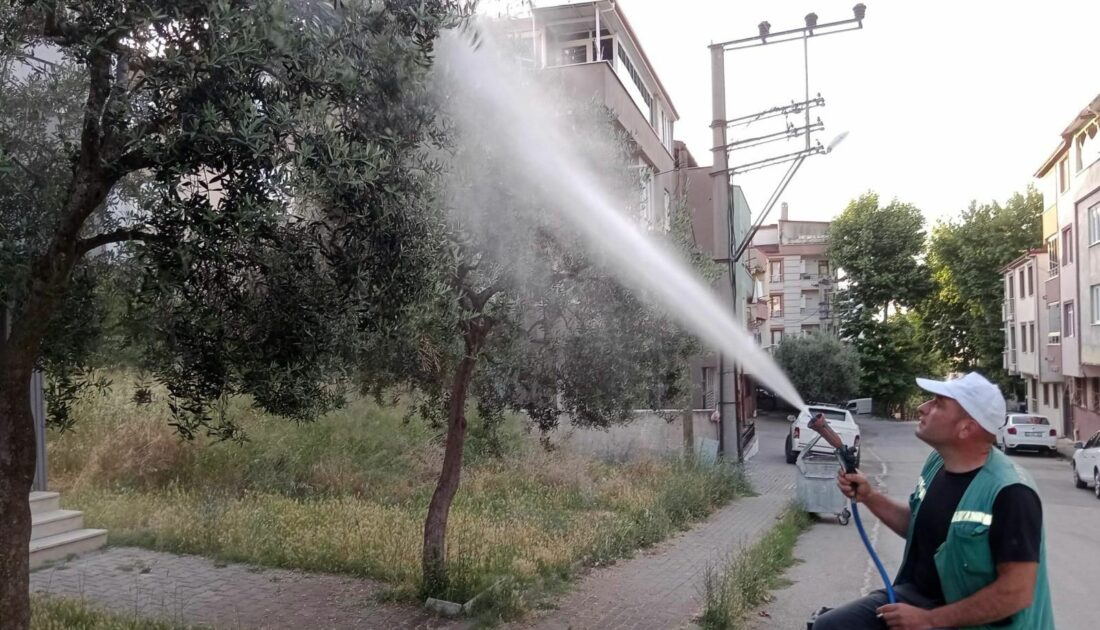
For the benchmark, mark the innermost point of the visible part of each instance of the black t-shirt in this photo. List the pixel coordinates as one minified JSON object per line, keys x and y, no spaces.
{"x":1014,"y":534}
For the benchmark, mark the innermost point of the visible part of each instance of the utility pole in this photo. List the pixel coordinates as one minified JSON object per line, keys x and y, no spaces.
{"x":731,"y":389}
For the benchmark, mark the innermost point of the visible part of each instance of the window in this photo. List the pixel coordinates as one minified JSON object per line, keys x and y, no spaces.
{"x":607,"y":47}
{"x":1063,"y":174}
{"x":1023,"y":337}
{"x":776,"y":267}
{"x":1052,"y":253}
{"x":1030,"y":280}
{"x":1021,"y":276}
{"x":823,"y":265}
{"x":777,"y":305}
{"x":632,"y":72}
{"x":1011,"y":286}
{"x":802,"y":303}
{"x":1012,"y":343}
{"x":1094,"y":224}
{"x":1046,"y":394}
{"x":1067,"y":246}
{"x":1032,"y":420}
{"x":1057,"y":395}
{"x":571,"y":55}
{"x":1054,"y":320}
{"x":1031,"y":342}
{"x":777,"y":336}
{"x":1067,"y":319}
{"x":1094,"y":293}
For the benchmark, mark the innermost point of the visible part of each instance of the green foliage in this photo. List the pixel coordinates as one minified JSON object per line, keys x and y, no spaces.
{"x":966,"y":256}
{"x":554,"y":331}
{"x":880,"y":251}
{"x":261,"y":164}
{"x":892,"y":355}
{"x":822,"y":367}
{"x":879,"y":248}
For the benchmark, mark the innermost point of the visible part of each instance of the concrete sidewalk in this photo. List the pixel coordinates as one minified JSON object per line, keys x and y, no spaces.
{"x":198,"y":591}
{"x":661,"y":588}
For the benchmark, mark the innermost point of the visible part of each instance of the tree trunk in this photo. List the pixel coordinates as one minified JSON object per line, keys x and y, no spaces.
{"x":16,"y":476}
{"x":435,"y":525}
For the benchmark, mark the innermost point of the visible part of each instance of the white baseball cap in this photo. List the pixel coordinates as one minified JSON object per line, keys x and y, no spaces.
{"x":980,"y":399}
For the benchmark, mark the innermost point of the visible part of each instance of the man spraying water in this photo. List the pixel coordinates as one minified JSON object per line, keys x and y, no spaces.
{"x":975,"y":553}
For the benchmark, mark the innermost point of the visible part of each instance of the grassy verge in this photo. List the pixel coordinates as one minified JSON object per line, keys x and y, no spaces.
{"x":746,"y":579}
{"x":348,"y":494}
{"x":55,"y":613}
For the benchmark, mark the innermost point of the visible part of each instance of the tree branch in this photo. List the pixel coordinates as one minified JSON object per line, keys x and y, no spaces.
{"x":34,"y":175}
{"x":85,"y":245}
{"x":482,"y":298}
{"x":58,"y":29}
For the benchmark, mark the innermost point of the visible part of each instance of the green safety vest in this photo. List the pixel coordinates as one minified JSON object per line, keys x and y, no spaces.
{"x":965,"y":561}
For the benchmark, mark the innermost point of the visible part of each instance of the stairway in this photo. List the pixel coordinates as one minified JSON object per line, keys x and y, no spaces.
{"x":57,"y":534}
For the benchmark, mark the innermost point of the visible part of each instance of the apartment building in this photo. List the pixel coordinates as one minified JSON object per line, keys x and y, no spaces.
{"x":794,"y":279}
{"x":591,"y":50}
{"x":1070,"y":182}
{"x":1028,"y":337}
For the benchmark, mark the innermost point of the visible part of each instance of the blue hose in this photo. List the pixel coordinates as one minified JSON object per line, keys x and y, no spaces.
{"x":874,"y":556}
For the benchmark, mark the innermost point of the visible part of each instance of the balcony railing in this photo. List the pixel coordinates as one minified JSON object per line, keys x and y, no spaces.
{"x":1010,"y":311}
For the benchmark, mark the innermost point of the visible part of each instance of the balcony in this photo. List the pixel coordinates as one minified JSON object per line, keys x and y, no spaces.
{"x":1010,"y":311}
{"x":598,"y":81}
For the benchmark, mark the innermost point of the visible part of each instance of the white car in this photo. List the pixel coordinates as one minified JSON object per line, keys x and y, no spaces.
{"x":1086,"y":464}
{"x":840,"y":420}
{"x":1028,"y":432}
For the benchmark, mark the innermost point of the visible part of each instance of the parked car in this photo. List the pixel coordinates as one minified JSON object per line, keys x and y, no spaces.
{"x":1086,"y":464}
{"x":766,"y":399}
{"x":801,"y":435}
{"x":858,"y":406}
{"x":1028,"y":432}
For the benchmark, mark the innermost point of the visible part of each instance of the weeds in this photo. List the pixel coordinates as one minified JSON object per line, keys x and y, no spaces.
{"x":746,"y":579}
{"x":55,"y":613}
{"x":348,"y":494}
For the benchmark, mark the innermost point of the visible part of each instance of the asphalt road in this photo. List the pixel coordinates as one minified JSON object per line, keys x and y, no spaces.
{"x":834,"y":567}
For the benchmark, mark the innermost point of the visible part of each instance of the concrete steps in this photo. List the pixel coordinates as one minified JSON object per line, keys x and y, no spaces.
{"x":57,"y":534}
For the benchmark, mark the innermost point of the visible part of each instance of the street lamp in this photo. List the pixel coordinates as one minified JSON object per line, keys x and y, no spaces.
{"x":836,"y":141}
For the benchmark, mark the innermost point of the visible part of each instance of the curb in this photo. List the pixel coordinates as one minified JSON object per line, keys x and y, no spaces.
{"x":454,"y":609}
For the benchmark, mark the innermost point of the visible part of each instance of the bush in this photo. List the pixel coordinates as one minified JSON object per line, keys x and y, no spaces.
{"x":821,"y":367}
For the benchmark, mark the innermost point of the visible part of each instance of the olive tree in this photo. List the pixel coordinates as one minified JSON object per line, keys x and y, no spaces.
{"x":256,"y":160}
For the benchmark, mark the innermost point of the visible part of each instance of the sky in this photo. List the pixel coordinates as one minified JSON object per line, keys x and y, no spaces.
{"x":944,"y":101}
